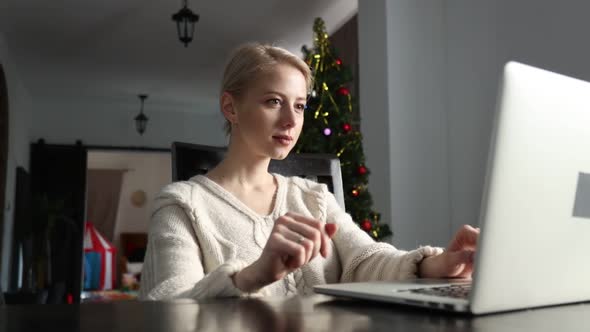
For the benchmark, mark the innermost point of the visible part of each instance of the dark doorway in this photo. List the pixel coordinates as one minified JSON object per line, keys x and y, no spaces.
{"x":58,"y":188}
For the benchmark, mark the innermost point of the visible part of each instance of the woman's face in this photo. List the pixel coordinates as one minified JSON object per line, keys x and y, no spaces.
{"x":269,"y":116}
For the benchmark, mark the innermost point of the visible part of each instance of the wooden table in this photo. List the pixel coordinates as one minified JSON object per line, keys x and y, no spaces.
{"x":313,"y":313}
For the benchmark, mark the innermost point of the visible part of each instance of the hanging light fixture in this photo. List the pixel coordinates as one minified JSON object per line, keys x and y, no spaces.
{"x":185,"y":23}
{"x":141,"y":120}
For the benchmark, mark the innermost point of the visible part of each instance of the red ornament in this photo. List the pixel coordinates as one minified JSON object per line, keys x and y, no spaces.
{"x":366,"y":225}
{"x":355,"y":192}
{"x":343,"y":91}
{"x":338,"y":62}
{"x":362,"y":170}
{"x":346,"y":127}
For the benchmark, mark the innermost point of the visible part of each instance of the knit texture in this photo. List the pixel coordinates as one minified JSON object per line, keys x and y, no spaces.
{"x":200,"y":235}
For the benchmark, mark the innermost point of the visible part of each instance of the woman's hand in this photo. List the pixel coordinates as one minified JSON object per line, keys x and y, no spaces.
{"x":294,"y":241}
{"x":456,"y":261}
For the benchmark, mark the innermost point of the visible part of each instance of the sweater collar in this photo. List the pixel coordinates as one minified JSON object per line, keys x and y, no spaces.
{"x":237,"y":204}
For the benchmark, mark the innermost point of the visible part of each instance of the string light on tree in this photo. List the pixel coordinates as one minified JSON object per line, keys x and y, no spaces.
{"x":329,"y":129}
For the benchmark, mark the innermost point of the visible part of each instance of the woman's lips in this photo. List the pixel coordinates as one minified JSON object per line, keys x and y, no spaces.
{"x":283,"y":139}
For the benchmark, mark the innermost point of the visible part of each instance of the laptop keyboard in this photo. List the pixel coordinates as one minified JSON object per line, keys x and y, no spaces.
{"x":455,"y":291}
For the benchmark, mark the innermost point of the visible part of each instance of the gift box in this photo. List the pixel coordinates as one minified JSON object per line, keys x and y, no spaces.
{"x":99,"y":256}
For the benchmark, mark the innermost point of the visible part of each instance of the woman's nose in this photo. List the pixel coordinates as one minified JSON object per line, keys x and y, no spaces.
{"x":288,"y":117}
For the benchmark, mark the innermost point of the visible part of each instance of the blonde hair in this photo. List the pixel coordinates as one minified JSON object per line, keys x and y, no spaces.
{"x":249,"y":60}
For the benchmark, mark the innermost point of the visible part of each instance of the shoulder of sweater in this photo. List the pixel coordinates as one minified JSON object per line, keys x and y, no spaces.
{"x":181,"y":193}
{"x":306,"y":185}
{"x":176,"y":189}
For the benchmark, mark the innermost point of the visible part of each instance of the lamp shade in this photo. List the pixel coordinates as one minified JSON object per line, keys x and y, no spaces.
{"x":141,"y":123}
{"x":141,"y":120}
{"x":185,"y":24}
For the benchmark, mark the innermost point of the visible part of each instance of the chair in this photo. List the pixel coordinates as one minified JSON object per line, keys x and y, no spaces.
{"x":189,"y":160}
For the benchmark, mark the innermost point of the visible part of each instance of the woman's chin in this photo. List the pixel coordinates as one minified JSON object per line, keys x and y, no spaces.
{"x":280,"y":154}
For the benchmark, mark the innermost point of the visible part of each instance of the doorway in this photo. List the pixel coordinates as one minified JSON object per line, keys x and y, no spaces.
{"x":121,"y":185}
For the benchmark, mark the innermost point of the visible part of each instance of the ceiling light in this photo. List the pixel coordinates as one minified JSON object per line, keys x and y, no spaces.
{"x":141,"y":120}
{"x":185,"y":23}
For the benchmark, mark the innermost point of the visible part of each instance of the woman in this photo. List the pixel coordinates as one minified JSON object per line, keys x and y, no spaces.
{"x":239,"y":230}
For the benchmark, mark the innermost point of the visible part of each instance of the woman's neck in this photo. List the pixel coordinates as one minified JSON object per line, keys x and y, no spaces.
{"x":241,"y":169}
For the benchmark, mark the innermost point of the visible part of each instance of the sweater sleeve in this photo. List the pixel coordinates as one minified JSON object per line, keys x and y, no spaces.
{"x":363,"y":259}
{"x":173,"y":265}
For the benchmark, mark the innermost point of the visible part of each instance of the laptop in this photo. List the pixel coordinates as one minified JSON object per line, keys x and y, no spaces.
{"x":534,"y":246}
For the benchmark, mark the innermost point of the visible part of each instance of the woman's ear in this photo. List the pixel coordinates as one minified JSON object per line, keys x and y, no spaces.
{"x":228,"y":107}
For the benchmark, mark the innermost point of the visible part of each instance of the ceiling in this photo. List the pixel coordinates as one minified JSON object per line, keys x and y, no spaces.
{"x":112,"y":50}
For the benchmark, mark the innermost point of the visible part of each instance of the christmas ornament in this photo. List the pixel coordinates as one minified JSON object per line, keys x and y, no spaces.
{"x":362,"y":170}
{"x":327,"y":132}
{"x":355,"y":192}
{"x":366,"y":225}
{"x":346,"y":127}
{"x":343,"y":91}
{"x":338,"y":62}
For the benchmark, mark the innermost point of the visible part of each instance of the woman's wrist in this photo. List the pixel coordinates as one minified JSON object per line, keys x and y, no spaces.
{"x":430,"y":265}
{"x":246,"y":280}
{"x":427,"y":267}
{"x":421,"y":270}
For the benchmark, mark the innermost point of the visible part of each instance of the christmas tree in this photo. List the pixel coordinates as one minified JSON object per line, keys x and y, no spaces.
{"x":329,"y":128}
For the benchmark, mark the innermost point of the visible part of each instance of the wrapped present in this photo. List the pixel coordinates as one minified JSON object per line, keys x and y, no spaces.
{"x":96,"y":246}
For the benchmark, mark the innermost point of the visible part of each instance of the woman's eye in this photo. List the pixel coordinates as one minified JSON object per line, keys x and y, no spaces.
{"x":302,"y":107}
{"x":274,"y":101}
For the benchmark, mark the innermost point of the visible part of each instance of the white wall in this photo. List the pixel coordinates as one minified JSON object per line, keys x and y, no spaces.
{"x":442,"y":60}
{"x":374,"y":102}
{"x":19,"y":113}
{"x":111,"y":123}
{"x":481,"y":38}
{"x":406,"y":132}
{"x":473,"y":52}
{"x":147,"y":171}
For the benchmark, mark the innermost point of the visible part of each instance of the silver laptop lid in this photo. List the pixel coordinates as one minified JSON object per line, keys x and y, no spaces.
{"x":535,"y":214}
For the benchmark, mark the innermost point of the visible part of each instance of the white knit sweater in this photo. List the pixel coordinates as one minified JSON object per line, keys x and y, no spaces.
{"x":200,"y":235}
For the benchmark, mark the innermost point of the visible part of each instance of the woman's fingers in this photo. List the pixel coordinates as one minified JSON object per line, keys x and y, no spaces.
{"x":458,"y":259}
{"x":296,"y":255}
{"x":461,"y":251}
{"x":459,"y":263}
{"x":319,"y":226}
{"x":299,"y":239}
{"x":465,"y":239}
{"x":296,"y":240}
{"x":331,"y":229}
{"x":312,"y":237}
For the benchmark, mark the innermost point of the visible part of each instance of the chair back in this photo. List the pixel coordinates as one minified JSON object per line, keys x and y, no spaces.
{"x":189,"y":160}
